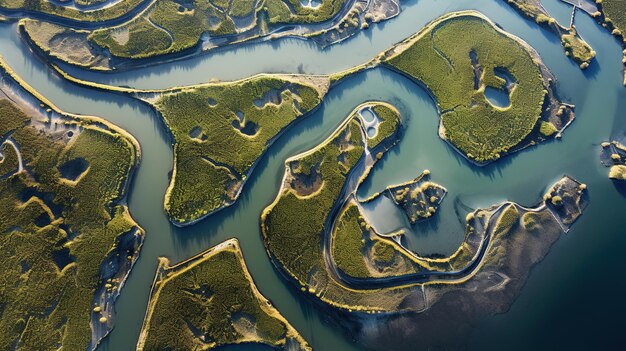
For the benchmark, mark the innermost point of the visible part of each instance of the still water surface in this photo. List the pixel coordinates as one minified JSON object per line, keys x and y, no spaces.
{"x":573,"y":299}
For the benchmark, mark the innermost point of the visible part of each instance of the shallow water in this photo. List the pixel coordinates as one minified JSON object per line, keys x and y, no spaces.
{"x":497,"y":97}
{"x":573,"y":299}
{"x":561,"y":11}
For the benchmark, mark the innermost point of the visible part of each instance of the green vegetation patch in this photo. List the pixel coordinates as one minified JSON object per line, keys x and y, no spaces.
{"x":615,"y":13}
{"x":360,"y":252}
{"x":210,"y":301}
{"x":61,"y":222}
{"x":618,"y":172}
{"x":535,"y":221}
{"x":577,"y":49}
{"x":389,"y":123}
{"x":220,"y":131}
{"x":547,"y":129}
{"x":293,"y":225}
{"x":348,"y":243}
{"x":456,"y":58}
{"x":508,"y":220}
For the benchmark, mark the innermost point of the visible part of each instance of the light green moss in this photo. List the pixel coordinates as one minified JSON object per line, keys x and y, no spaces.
{"x":618,"y":172}
{"x":547,"y":129}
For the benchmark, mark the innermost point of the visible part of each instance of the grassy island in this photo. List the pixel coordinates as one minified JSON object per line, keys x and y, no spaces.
{"x":209,"y":301}
{"x":320,"y":239}
{"x":610,"y":14}
{"x":460,"y":56}
{"x":221,"y":130}
{"x":68,"y":240}
{"x":177,"y":28}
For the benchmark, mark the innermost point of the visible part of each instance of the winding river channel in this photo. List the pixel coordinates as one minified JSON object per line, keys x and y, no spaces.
{"x":573,"y":297}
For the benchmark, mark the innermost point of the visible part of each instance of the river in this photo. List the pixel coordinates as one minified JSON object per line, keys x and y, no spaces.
{"x":573,"y":299}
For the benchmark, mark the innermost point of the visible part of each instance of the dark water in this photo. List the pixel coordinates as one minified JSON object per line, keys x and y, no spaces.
{"x":573,"y":299}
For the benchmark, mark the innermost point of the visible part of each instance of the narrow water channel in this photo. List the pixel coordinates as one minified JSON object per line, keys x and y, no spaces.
{"x":577,"y":290}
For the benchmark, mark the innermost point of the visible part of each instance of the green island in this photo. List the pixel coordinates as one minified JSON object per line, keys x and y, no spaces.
{"x":455,"y":68}
{"x":613,"y":155}
{"x":419,"y":199}
{"x":221,"y":130}
{"x":326,"y":247}
{"x":69,"y":240}
{"x":575,"y":47}
{"x":459,"y":57}
{"x":209,"y":301}
{"x":175,"y":28}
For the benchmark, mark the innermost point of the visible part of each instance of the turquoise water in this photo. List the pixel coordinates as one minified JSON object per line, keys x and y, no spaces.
{"x":574,"y":298}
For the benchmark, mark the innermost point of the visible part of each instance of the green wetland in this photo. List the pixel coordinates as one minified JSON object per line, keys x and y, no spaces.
{"x":555,"y":309}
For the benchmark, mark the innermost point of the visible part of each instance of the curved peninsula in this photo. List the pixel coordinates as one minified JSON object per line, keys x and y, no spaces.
{"x":209,"y":301}
{"x":574,"y":45}
{"x":459,"y":58}
{"x":323,"y":244}
{"x":171,"y":29}
{"x":69,"y":240}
